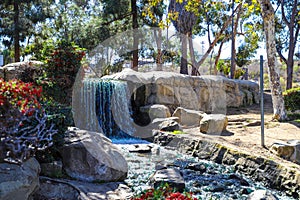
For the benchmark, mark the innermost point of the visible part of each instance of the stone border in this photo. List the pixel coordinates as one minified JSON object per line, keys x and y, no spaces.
{"x":272,"y":174}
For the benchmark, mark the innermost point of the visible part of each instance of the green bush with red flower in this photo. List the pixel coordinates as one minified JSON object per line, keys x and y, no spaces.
{"x":62,"y":65}
{"x":164,"y":192}
{"x":24,"y":126}
{"x":20,"y":95}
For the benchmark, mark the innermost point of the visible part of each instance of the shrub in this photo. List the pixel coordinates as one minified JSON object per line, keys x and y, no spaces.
{"x":292,"y":99}
{"x":61,"y":70}
{"x":24,"y":126}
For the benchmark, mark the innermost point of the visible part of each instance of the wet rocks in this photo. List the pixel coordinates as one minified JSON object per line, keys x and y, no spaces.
{"x":140,"y":148}
{"x":171,"y":176}
{"x":197,"y":167}
{"x":272,"y":174}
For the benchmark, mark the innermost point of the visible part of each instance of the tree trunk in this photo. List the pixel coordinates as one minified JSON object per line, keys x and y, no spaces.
{"x":293,"y":35}
{"x":135,"y":49}
{"x":158,"y":38}
{"x":16,"y":32}
{"x":233,"y":50}
{"x":192,"y":55}
{"x":183,"y":60}
{"x":267,"y":13}
{"x":218,"y":56}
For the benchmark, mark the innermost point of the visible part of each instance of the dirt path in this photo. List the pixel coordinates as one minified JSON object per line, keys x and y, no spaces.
{"x":244,"y":131}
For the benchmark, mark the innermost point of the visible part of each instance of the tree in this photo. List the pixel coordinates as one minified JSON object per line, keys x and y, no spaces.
{"x":157,"y":13}
{"x":184,"y":25}
{"x":268,"y":16}
{"x":18,"y":19}
{"x":287,"y":29}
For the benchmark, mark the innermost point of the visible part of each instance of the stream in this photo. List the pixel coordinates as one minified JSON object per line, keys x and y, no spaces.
{"x":206,"y":179}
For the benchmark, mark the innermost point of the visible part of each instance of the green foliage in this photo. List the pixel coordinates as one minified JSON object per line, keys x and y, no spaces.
{"x":238,"y":73}
{"x":19,"y":17}
{"x":223,"y":66}
{"x":61,"y":70}
{"x":292,"y":99}
{"x":245,"y":52}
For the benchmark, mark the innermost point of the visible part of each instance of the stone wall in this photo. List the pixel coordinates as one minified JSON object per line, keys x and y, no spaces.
{"x":206,"y":93}
{"x":272,"y":174}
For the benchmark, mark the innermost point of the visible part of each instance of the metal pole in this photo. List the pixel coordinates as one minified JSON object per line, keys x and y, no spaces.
{"x":232,"y":42}
{"x":262,"y":126}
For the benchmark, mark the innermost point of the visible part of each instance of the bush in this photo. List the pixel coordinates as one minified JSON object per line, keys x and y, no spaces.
{"x":24,"y":126}
{"x":292,"y":99}
{"x":61,"y":70}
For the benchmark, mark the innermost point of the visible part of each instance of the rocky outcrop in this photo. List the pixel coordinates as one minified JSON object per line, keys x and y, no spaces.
{"x":25,"y":71}
{"x":272,"y":174}
{"x":289,"y":150}
{"x":206,"y":93}
{"x":188,"y":117}
{"x":90,"y":156}
{"x":213,"y":124}
{"x":19,"y":181}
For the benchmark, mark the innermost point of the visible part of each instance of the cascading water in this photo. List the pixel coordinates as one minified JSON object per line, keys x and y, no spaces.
{"x":103,"y":106}
{"x":113,"y":110}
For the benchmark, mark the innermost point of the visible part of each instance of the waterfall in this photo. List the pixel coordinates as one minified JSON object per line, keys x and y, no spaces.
{"x":104,"y":106}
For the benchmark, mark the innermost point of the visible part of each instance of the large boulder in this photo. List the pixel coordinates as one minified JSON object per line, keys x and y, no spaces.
{"x":289,"y":150}
{"x":25,"y":71}
{"x":19,"y":181}
{"x":156,"y":111}
{"x":208,"y":93}
{"x":188,"y":117}
{"x":213,"y":124}
{"x":90,"y":156}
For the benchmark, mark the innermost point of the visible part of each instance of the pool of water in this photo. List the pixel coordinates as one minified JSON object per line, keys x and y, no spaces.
{"x":206,"y":179}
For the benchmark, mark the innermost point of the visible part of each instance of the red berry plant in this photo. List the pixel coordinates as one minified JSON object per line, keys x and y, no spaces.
{"x":24,"y":126}
{"x":164,"y":192}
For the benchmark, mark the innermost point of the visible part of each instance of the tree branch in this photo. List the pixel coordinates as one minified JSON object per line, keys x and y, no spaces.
{"x":283,"y":14}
